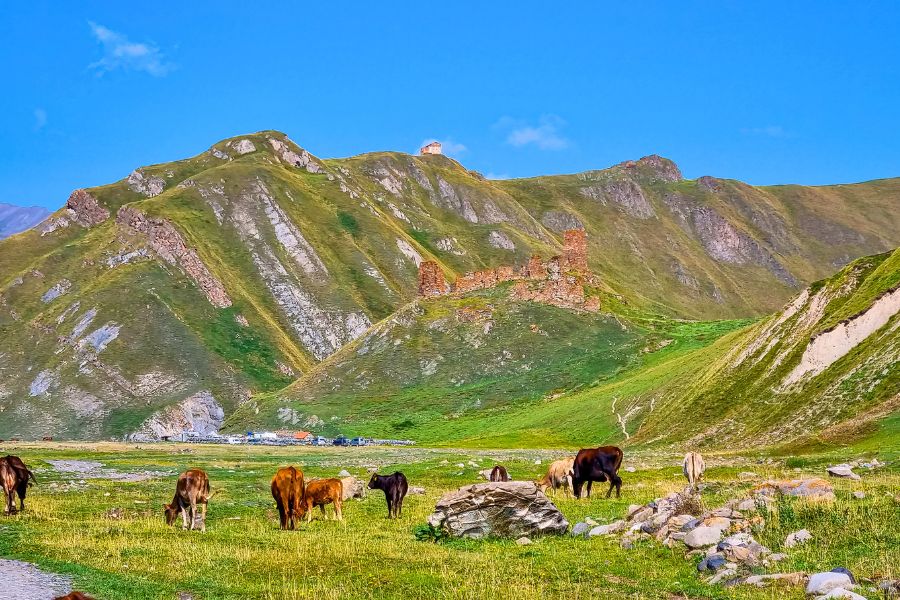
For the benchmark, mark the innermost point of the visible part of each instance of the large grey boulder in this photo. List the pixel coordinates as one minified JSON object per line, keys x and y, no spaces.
{"x":501,"y":509}
{"x":822,"y":583}
{"x":703,"y":536}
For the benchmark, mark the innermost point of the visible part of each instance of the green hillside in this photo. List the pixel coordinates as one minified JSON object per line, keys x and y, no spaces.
{"x":190,"y":290}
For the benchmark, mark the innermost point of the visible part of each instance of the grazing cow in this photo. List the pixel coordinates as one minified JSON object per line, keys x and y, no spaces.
{"x":693,"y":468}
{"x":192,"y":489}
{"x":24,"y":477}
{"x":320,"y":492}
{"x":74,"y":596}
{"x":394,"y":487}
{"x":597,"y":464}
{"x":499,"y":473}
{"x":287,"y":489}
{"x":559,"y":475}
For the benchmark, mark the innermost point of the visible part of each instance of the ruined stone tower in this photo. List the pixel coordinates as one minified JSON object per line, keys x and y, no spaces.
{"x":431,"y":280}
{"x":575,"y":250}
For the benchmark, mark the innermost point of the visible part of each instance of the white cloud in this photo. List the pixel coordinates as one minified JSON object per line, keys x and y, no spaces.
{"x":496,"y":176}
{"x":40,"y":118}
{"x":448,"y":146}
{"x":121,"y":53}
{"x":545,"y":134}
{"x":773,"y":131}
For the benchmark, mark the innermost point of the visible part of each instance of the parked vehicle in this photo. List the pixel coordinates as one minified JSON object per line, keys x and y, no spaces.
{"x":341,"y":441}
{"x":359,"y":441}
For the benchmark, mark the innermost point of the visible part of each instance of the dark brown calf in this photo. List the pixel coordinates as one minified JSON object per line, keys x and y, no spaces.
{"x":597,"y":464}
{"x":15,"y":478}
{"x":321,"y":492}
{"x":287,"y":489}
{"x":394,"y":487}
{"x":74,"y":596}
{"x":192,"y":489}
{"x":499,"y":473}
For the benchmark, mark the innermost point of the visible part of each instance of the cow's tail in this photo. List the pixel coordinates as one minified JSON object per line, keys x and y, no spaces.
{"x":619,"y":457}
{"x":30,"y":478}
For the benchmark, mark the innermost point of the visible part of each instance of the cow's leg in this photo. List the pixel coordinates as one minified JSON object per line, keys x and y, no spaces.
{"x":576,"y":487}
{"x":282,"y":515}
{"x":399,"y":505}
{"x":618,"y":482}
{"x":389,"y":498}
{"x":184,"y":515}
{"x":338,"y":513}
{"x":203,"y":516}
{"x":590,"y":483}
{"x":22,"y":490}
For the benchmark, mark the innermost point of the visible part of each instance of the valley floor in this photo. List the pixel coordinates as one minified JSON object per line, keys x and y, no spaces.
{"x":102,"y":526}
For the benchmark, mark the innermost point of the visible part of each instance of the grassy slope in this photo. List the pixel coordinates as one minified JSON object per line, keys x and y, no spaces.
{"x":244,"y":555}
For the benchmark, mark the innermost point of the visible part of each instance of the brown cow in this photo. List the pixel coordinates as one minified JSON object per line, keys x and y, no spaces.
{"x":15,"y":478}
{"x":559,"y":475}
{"x":74,"y":596}
{"x":597,"y":464}
{"x":499,"y":473}
{"x":287,"y":489}
{"x":192,"y":489}
{"x":320,"y":492}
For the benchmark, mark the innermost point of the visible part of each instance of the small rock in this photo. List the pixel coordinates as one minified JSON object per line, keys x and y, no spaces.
{"x":822,"y":583}
{"x":632,"y":508}
{"x":580,"y":529}
{"x":844,"y":470}
{"x":859,"y":495}
{"x":746,"y":505}
{"x":747,"y":475}
{"x":614,"y":527}
{"x":784,"y":578}
{"x":416,"y":490}
{"x":344,"y":473}
{"x":591,"y":522}
{"x":842,"y":593}
{"x":703,"y":536}
{"x":460,"y":465}
{"x":642,"y":515}
{"x":777,"y":557}
{"x":797,"y":537}
{"x":692,"y":524}
{"x":724,"y":574}
{"x":845,"y":572}
{"x":717,"y":522}
{"x":712,"y":563}
{"x":523,"y":541}
{"x":630,"y":469}
{"x":537,"y":461}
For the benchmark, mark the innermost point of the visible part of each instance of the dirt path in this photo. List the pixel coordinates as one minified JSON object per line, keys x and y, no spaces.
{"x":24,"y":581}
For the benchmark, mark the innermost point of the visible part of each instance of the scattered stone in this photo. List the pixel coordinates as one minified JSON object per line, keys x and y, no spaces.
{"x":746,"y":505}
{"x":352,"y":488}
{"x":630,"y":469}
{"x":703,"y":536}
{"x":822,"y":583}
{"x":842,"y":593}
{"x":344,"y":473}
{"x":416,"y":490}
{"x":777,"y":557}
{"x":614,"y":527}
{"x":859,"y":495}
{"x":580,"y":529}
{"x":796,"y":538}
{"x":781,"y":578}
{"x":502,"y":509}
{"x":846,"y":572}
{"x":747,"y":475}
{"x":642,"y":515}
{"x":524,"y":541}
{"x":721,"y":575}
{"x":712,"y":563}
{"x":815,"y":489}
{"x":843,"y":470}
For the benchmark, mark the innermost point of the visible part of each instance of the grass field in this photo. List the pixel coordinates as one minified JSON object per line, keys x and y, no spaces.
{"x":68,"y":528}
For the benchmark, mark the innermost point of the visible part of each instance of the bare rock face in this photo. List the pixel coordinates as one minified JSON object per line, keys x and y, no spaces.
{"x":165,"y":240}
{"x":200,"y":412}
{"x":148,"y":186}
{"x":242,"y":147}
{"x":559,"y":221}
{"x":625,"y":193}
{"x":301,"y":159}
{"x":85,"y":210}
{"x":500,"y":240}
{"x":503,"y":509}
{"x":663,"y":168}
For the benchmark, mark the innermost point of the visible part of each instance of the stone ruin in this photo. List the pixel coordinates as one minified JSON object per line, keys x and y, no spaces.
{"x":558,"y":281}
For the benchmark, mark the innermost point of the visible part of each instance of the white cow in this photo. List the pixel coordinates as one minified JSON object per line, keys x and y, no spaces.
{"x":693,"y":468}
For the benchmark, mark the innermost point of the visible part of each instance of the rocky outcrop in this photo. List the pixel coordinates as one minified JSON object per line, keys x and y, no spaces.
{"x":500,"y":240}
{"x":624,"y":193}
{"x":509,"y":509}
{"x":302,"y":159}
{"x":56,"y":291}
{"x":142,"y":184}
{"x":723,"y":241}
{"x":431,"y":280}
{"x":164,"y":239}
{"x":559,"y":221}
{"x":242,"y":147}
{"x":200,"y":412}
{"x":84,"y":209}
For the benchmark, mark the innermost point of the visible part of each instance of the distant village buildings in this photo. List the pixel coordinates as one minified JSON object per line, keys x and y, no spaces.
{"x":432,"y":148}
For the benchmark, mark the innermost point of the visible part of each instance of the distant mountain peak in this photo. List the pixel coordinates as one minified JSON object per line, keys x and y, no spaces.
{"x":15,"y":219}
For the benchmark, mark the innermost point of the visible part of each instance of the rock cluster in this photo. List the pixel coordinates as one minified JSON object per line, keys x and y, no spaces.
{"x":165,"y":240}
{"x":431,"y":280}
{"x":142,"y":184}
{"x":84,"y":209}
{"x":503,"y":509}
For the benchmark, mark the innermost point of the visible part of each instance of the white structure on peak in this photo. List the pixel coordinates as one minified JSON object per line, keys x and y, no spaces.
{"x":432,"y":148}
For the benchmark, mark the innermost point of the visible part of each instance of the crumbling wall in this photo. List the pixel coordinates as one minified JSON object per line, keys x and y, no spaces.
{"x":575,"y":250}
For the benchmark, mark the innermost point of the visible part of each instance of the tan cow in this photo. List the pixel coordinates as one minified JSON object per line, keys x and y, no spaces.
{"x":693,"y":468}
{"x":559,"y":475}
{"x":192,"y":489}
{"x":320,"y":492}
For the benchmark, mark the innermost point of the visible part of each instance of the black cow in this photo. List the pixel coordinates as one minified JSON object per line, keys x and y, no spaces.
{"x":597,"y":464}
{"x":394,"y":487}
{"x":499,"y":473}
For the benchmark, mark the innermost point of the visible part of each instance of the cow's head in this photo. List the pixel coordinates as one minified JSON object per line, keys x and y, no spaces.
{"x":171,"y":513}
{"x":374,"y":482}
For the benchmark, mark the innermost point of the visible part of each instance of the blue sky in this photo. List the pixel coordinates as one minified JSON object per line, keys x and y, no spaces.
{"x":766,"y":92}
